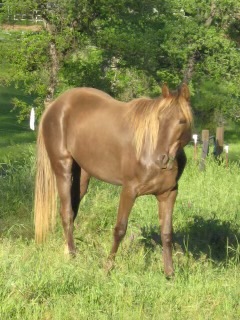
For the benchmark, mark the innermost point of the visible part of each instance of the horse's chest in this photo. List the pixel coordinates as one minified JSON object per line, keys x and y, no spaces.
{"x":158,"y":181}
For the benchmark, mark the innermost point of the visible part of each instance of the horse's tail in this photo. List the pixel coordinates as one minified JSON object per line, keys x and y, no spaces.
{"x":45,"y":206}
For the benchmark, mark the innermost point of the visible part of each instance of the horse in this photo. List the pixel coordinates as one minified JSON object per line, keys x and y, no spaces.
{"x":138,"y":145}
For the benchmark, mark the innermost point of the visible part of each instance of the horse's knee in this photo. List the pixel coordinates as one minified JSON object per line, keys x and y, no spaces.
{"x":119,"y":232}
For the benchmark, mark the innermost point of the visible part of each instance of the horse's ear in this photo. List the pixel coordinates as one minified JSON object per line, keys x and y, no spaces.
{"x":184,"y":91}
{"x":165,"y":91}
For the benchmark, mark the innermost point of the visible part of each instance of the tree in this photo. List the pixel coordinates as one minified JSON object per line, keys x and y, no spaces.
{"x":38,"y":56}
{"x":128,"y":48}
{"x":201,"y":51}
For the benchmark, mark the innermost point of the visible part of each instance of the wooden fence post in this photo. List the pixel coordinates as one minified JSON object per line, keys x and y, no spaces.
{"x":205,"y":143}
{"x":219,"y":141}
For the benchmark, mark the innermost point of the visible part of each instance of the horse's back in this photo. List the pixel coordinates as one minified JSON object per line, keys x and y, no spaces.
{"x":77,"y":100}
{"x":74,"y":96}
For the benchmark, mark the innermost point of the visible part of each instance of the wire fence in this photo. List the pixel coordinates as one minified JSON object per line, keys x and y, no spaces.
{"x":32,"y":16}
{"x":35,"y":17}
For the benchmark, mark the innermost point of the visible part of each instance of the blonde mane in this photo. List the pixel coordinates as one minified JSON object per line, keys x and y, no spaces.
{"x":145,"y":114}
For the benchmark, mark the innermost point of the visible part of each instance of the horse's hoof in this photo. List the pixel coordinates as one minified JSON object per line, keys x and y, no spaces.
{"x":71,"y":253}
{"x":169,"y":272}
{"x":109,"y":266}
{"x":170,"y":277}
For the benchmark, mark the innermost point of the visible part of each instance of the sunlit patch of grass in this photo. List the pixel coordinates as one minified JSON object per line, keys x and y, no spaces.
{"x":40,"y":282}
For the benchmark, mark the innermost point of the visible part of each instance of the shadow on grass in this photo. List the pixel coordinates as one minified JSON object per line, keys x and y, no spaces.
{"x":211,"y":237}
{"x":232,"y":135}
{"x":18,"y":138}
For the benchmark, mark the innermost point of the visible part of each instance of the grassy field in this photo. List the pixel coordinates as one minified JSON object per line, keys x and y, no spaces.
{"x":39,"y":282}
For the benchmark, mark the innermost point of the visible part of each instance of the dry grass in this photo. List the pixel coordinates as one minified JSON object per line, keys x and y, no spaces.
{"x":16,"y":27}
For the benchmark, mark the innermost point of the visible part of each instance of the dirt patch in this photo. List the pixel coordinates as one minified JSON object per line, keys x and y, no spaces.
{"x":20,"y":27}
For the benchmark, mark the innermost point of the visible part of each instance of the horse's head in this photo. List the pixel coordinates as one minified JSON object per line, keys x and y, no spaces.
{"x":161,"y":125}
{"x":175,"y":122}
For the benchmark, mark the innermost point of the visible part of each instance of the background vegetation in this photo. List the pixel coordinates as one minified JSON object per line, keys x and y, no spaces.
{"x":126,"y":48}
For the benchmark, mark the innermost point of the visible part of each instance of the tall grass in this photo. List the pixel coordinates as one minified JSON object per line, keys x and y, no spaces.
{"x":16,"y":185}
{"x":39,"y":282}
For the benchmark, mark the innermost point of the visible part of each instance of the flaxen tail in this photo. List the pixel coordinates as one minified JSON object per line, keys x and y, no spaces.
{"x":45,"y":206}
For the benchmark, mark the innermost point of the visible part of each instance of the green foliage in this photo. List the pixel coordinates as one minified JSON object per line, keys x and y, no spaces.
{"x":212,"y":103}
{"x":115,"y":46}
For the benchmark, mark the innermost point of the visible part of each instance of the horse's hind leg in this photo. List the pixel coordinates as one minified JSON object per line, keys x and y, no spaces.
{"x":75,"y":188}
{"x":80,"y":181}
{"x":79,"y":186}
{"x":84,"y":181}
{"x":68,"y":208}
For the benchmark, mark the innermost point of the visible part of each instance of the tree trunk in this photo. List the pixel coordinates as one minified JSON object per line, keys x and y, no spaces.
{"x":53,"y":73}
{"x":188,"y":72}
{"x":54,"y":62}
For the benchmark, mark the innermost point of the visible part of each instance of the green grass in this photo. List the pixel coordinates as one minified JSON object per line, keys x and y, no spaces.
{"x":15,"y":137}
{"x":40,"y":282}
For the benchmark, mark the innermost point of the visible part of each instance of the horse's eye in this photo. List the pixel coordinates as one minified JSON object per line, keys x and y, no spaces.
{"x":182,"y":121}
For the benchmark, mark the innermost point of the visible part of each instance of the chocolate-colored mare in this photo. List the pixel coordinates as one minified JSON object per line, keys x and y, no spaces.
{"x":138,"y":145}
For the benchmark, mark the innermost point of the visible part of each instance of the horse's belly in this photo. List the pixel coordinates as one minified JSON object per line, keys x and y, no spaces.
{"x":99,"y":165}
{"x":104,"y":174}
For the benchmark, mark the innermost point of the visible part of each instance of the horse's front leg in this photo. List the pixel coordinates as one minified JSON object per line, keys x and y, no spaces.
{"x":166,"y":203}
{"x":127,"y":199}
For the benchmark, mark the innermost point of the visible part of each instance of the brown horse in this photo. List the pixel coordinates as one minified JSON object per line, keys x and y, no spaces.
{"x":138,"y":145}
